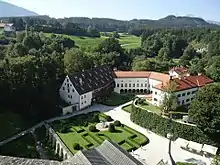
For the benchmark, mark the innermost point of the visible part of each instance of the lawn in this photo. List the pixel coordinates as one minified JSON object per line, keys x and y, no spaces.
{"x":76,"y":130}
{"x":22,"y":147}
{"x":146,"y":105}
{"x":118,"y":99}
{"x":11,"y":124}
{"x":127,"y":108}
{"x":126,"y":41}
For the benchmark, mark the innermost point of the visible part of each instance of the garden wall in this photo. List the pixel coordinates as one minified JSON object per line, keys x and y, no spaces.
{"x":163,"y":126}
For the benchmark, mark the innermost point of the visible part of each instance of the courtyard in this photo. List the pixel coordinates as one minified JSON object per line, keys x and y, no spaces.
{"x":77,"y":131}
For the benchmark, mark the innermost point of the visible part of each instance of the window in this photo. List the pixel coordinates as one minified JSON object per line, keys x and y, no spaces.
{"x":63,"y":88}
{"x":187,"y":100}
{"x":155,"y":93}
{"x":188,"y":93}
{"x":129,"y":85}
{"x":68,"y":85}
{"x":179,"y":95}
{"x":84,"y":96}
{"x":117,"y":85}
{"x":121,"y":85}
{"x":72,"y":90}
{"x":183,"y":94}
{"x":145,"y":85}
{"x":69,"y":102}
{"x":71,"y":96}
{"x":141,"y":85}
{"x":68,"y":90}
{"x":194,"y":92}
{"x":67,"y":80}
{"x":133,"y":85}
{"x":82,"y":103}
{"x":81,"y":97}
{"x":155,"y":99}
{"x":126,"y":84}
{"x":137,"y":85}
{"x":183,"y":102}
{"x":191,"y":98}
{"x":85,"y":102}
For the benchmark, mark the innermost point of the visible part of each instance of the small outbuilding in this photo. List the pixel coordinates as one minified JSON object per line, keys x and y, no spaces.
{"x":209,"y":150}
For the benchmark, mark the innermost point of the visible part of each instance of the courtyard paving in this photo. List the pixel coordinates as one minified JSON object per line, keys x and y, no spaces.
{"x":157,"y":149}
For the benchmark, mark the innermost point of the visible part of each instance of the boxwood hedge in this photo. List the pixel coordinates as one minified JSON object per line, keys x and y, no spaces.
{"x":162,"y":126}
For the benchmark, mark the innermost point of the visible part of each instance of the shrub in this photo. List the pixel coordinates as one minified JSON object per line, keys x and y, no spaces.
{"x":76,"y":146}
{"x":92,"y":128}
{"x":111,"y":128}
{"x":161,"y":126}
{"x":140,"y":101}
{"x":117,"y":123}
{"x":86,"y":124}
{"x":108,"y":118}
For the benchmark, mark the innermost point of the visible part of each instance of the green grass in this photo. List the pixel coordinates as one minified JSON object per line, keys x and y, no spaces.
{"x":146,"y":105}
{"x":128,"y":138}
{"x":11,"y":124}
{"x":127,"y":108}
{"x":127,"y":41}
{"x":22,"y":147}
{"x":118,"y":99}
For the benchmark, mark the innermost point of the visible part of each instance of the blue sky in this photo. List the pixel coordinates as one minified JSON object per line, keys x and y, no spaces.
{"x":123,"y":9}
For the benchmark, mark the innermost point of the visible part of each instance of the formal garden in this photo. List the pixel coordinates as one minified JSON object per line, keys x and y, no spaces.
{"x":82,"y":132}
{"x":117,"y":99}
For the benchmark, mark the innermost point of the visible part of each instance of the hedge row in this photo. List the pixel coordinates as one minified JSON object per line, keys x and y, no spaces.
{"x":163,"y":126}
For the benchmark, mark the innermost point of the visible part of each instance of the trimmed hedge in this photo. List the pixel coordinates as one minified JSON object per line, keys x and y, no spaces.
{"x":111,"y":127}
{"x":108,"y":118}
{"x":162,"y":126}
{"x":76,"y":146}
{"x":117,"y":123}
{"x":92,"y":128}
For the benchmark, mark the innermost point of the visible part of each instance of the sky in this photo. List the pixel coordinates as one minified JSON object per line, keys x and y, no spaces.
{"x":123,"y":9}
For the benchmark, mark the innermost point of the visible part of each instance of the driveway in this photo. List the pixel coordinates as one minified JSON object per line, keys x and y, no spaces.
{"x":157,"y":149}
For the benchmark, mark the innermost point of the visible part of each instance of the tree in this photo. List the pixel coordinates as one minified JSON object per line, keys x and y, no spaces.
{"x":111,"y":127}
{"x":115,"y":35}
{"x":140,"y":64}
{"x":205,"y":108}
{"x":163,"y":55}
{"x":170,"y":100}
{"x":213,"y":69}
{"x":75,"y":61}
{"x":188,"y":54}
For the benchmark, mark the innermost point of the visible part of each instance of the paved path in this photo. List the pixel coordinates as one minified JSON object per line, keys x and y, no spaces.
{"x":157,"y":149}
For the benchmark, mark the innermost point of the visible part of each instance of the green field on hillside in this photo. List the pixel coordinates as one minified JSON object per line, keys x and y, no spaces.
{"x":126,"y":41}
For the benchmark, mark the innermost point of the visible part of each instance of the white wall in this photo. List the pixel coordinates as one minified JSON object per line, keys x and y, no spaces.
{"x":68,"y":93}
{"x":185,"y":97}
{"x":157,"y":96}
{"x":85,"y":100}
{"x":132,"y":83}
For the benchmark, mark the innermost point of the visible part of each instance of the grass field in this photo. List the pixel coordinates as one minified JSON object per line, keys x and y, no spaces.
{"x":149,"y":107}
{"x":78,"y":132}
{"x":126,"y":41}
{"x":118,"y":99}
{"x":127,"y":108}
{"x":11,"y":124}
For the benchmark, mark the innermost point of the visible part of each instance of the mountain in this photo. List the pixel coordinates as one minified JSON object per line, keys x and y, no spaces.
{"x":10,"y":10}
{"x":213,"y":22}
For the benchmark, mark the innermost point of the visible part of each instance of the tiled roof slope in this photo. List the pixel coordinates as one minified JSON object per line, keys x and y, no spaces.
{"x":187,"y":82}
{"x":142,"y":74}
{"x":108,"y":153}
{"x":92,"y":79}
{"x":180,"y":70}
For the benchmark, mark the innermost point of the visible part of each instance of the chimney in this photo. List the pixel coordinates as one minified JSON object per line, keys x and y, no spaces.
{"x":115,"y":69}
{"x":199,"y":74}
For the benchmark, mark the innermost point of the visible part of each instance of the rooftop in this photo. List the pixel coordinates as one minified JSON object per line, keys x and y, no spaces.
{"x":142,"y":74}
{"x":187,"y":82}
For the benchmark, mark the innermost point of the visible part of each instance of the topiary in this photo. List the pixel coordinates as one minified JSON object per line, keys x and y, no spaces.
{"x":76,"y":146}
{"x":117,"y":123}
{"x":92,"y":128}
{"x":111,"y":127}
{"x":108,"y":118}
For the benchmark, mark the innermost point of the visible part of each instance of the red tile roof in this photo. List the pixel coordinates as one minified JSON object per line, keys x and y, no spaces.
{"x":187,"y":82}
{"x":142,"y":74}
{"x":180,"y":70}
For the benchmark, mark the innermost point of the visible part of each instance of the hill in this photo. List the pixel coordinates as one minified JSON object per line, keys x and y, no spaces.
{"x":10,"y":10}
{"x":171,"y":21}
